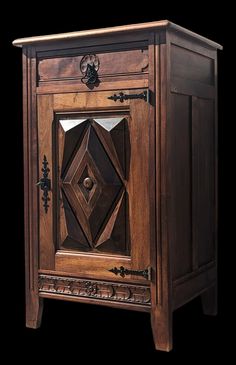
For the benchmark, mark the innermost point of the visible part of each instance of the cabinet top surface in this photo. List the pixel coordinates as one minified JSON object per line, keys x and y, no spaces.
{"x":150,"y":26}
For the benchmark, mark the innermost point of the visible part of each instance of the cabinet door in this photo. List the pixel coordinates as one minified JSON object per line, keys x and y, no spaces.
{"x":95,"y":152}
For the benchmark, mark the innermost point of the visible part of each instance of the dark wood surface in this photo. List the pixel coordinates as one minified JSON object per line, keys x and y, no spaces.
{"x":110,"y":220}
{"x":193,"y":161}
{"x":133,"y":184}
{"x":123,"y":30}
{"x":161,"y":315}
{"x":46,"y":245}
{"x":180,"y":184}
{"x":93,"y":204}
{"x":34,"y":305}
{"x":135,"y":61}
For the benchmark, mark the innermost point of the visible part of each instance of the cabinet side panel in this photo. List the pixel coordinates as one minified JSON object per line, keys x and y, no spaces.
{"x":180,"y":184}
{"x":191,"y":65}
{"x":203,"y":178}
{"x":192,"y":162}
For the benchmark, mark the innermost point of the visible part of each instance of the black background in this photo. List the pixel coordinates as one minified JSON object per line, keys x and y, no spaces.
{"x":76,"y":330}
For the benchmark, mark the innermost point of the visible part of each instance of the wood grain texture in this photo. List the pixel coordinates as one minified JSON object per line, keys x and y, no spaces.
{"x":105,"y":303}
{"x":92,"y":160}
{"x":45,"y":120}
{"x":116,"y":134}
{"x":194,"y":273}
{"x":113,"y":140}
{"x":200,"y":112}
{"x":203,"y":179}
{"x":111,"y":133}
{"x":112,"y":63}
{"x":188,"y":87}
{"x":86,"y":101}
{"x":158,"y":109}
{"x":119,"y":30}
{"x":93,"y":265}
{"x":148,"y":170}
{"x":34,"y":305}
{"x":182,"y":40}
{"x":95,"y":290}
{"x":180,"y":234}
{"x":138,"y":185}
{"x":191,"y":65}
{"x":89,"y":33}
{"x":126,"y":43}
{"x":193,"y":287}
{"x":121,"y":83}
{"x":199,"y":87}
{"x":214,"y":306}
{"x":122,"y":42}
{"x":117,"y":278}
{"x":161,"y":314}
{"x":153,"y":178}
{"x":111,"y":224}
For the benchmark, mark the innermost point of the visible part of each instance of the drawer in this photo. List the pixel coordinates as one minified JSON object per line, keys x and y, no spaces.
{"x":110,"y":64}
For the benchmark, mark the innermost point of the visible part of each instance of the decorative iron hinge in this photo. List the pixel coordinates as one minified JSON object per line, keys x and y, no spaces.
{"x":121,"y":97}
{"x":45,"y":184}
{"x":123,"y":272}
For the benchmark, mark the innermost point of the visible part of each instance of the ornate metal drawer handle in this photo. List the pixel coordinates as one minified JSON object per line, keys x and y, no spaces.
{"x":89,"y":66}
{"x":123,"y":271}
{"x":121,"y":97}
{"x":45,"y":184}
{"x":91,"y":75}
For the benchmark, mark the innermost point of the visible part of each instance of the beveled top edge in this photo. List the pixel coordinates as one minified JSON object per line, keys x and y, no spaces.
{"x":112,"y":30}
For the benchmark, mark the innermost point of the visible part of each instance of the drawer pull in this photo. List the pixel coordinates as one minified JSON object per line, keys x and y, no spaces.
{"x":45,"y":184}
{"x":122,"y":271}
{"x":121,"y":97}
{"x":89,"y":66}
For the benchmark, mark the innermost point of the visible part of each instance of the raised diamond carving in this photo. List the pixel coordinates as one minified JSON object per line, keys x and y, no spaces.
{"x":85,"y":187}
{"x":70,"y":131}
{"x":85,"y":168}
{"x":92,"y":200}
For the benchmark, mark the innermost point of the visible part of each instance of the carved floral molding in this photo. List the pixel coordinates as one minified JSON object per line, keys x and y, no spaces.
{"x":95,"y":289}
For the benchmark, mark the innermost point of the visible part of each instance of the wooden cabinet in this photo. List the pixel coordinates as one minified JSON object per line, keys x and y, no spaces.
{"x":120,"y":160}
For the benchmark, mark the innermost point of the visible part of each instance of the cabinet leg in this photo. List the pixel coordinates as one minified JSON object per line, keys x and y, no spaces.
{"x":209,"y":301}
{"x":162,"y":330}
{"x":34,"y":310}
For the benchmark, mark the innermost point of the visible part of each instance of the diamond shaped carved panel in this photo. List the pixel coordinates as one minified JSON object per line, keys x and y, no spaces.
{"x":93,"y":184}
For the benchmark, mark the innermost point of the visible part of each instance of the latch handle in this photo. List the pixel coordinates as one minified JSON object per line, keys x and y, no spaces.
{"x":45,"y":184}
{"x":122,"y":271}
{"x":121,"y":97}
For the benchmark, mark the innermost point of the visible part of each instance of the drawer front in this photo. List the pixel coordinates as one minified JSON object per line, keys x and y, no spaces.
{"x":109,"y":64}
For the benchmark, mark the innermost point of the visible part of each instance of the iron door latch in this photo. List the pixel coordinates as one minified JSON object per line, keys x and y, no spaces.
{"x":122,"y":271}
{"x":121,"y":96}
{"x":45,"y":184}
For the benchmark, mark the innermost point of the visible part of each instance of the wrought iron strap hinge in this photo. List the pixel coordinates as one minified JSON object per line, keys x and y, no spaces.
{"x":146,"y":273}
{"x":121,"y":97}
{"x":45,"y":184}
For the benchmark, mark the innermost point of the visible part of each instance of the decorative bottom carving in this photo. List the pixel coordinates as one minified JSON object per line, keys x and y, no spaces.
{"x":95,"y":289}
